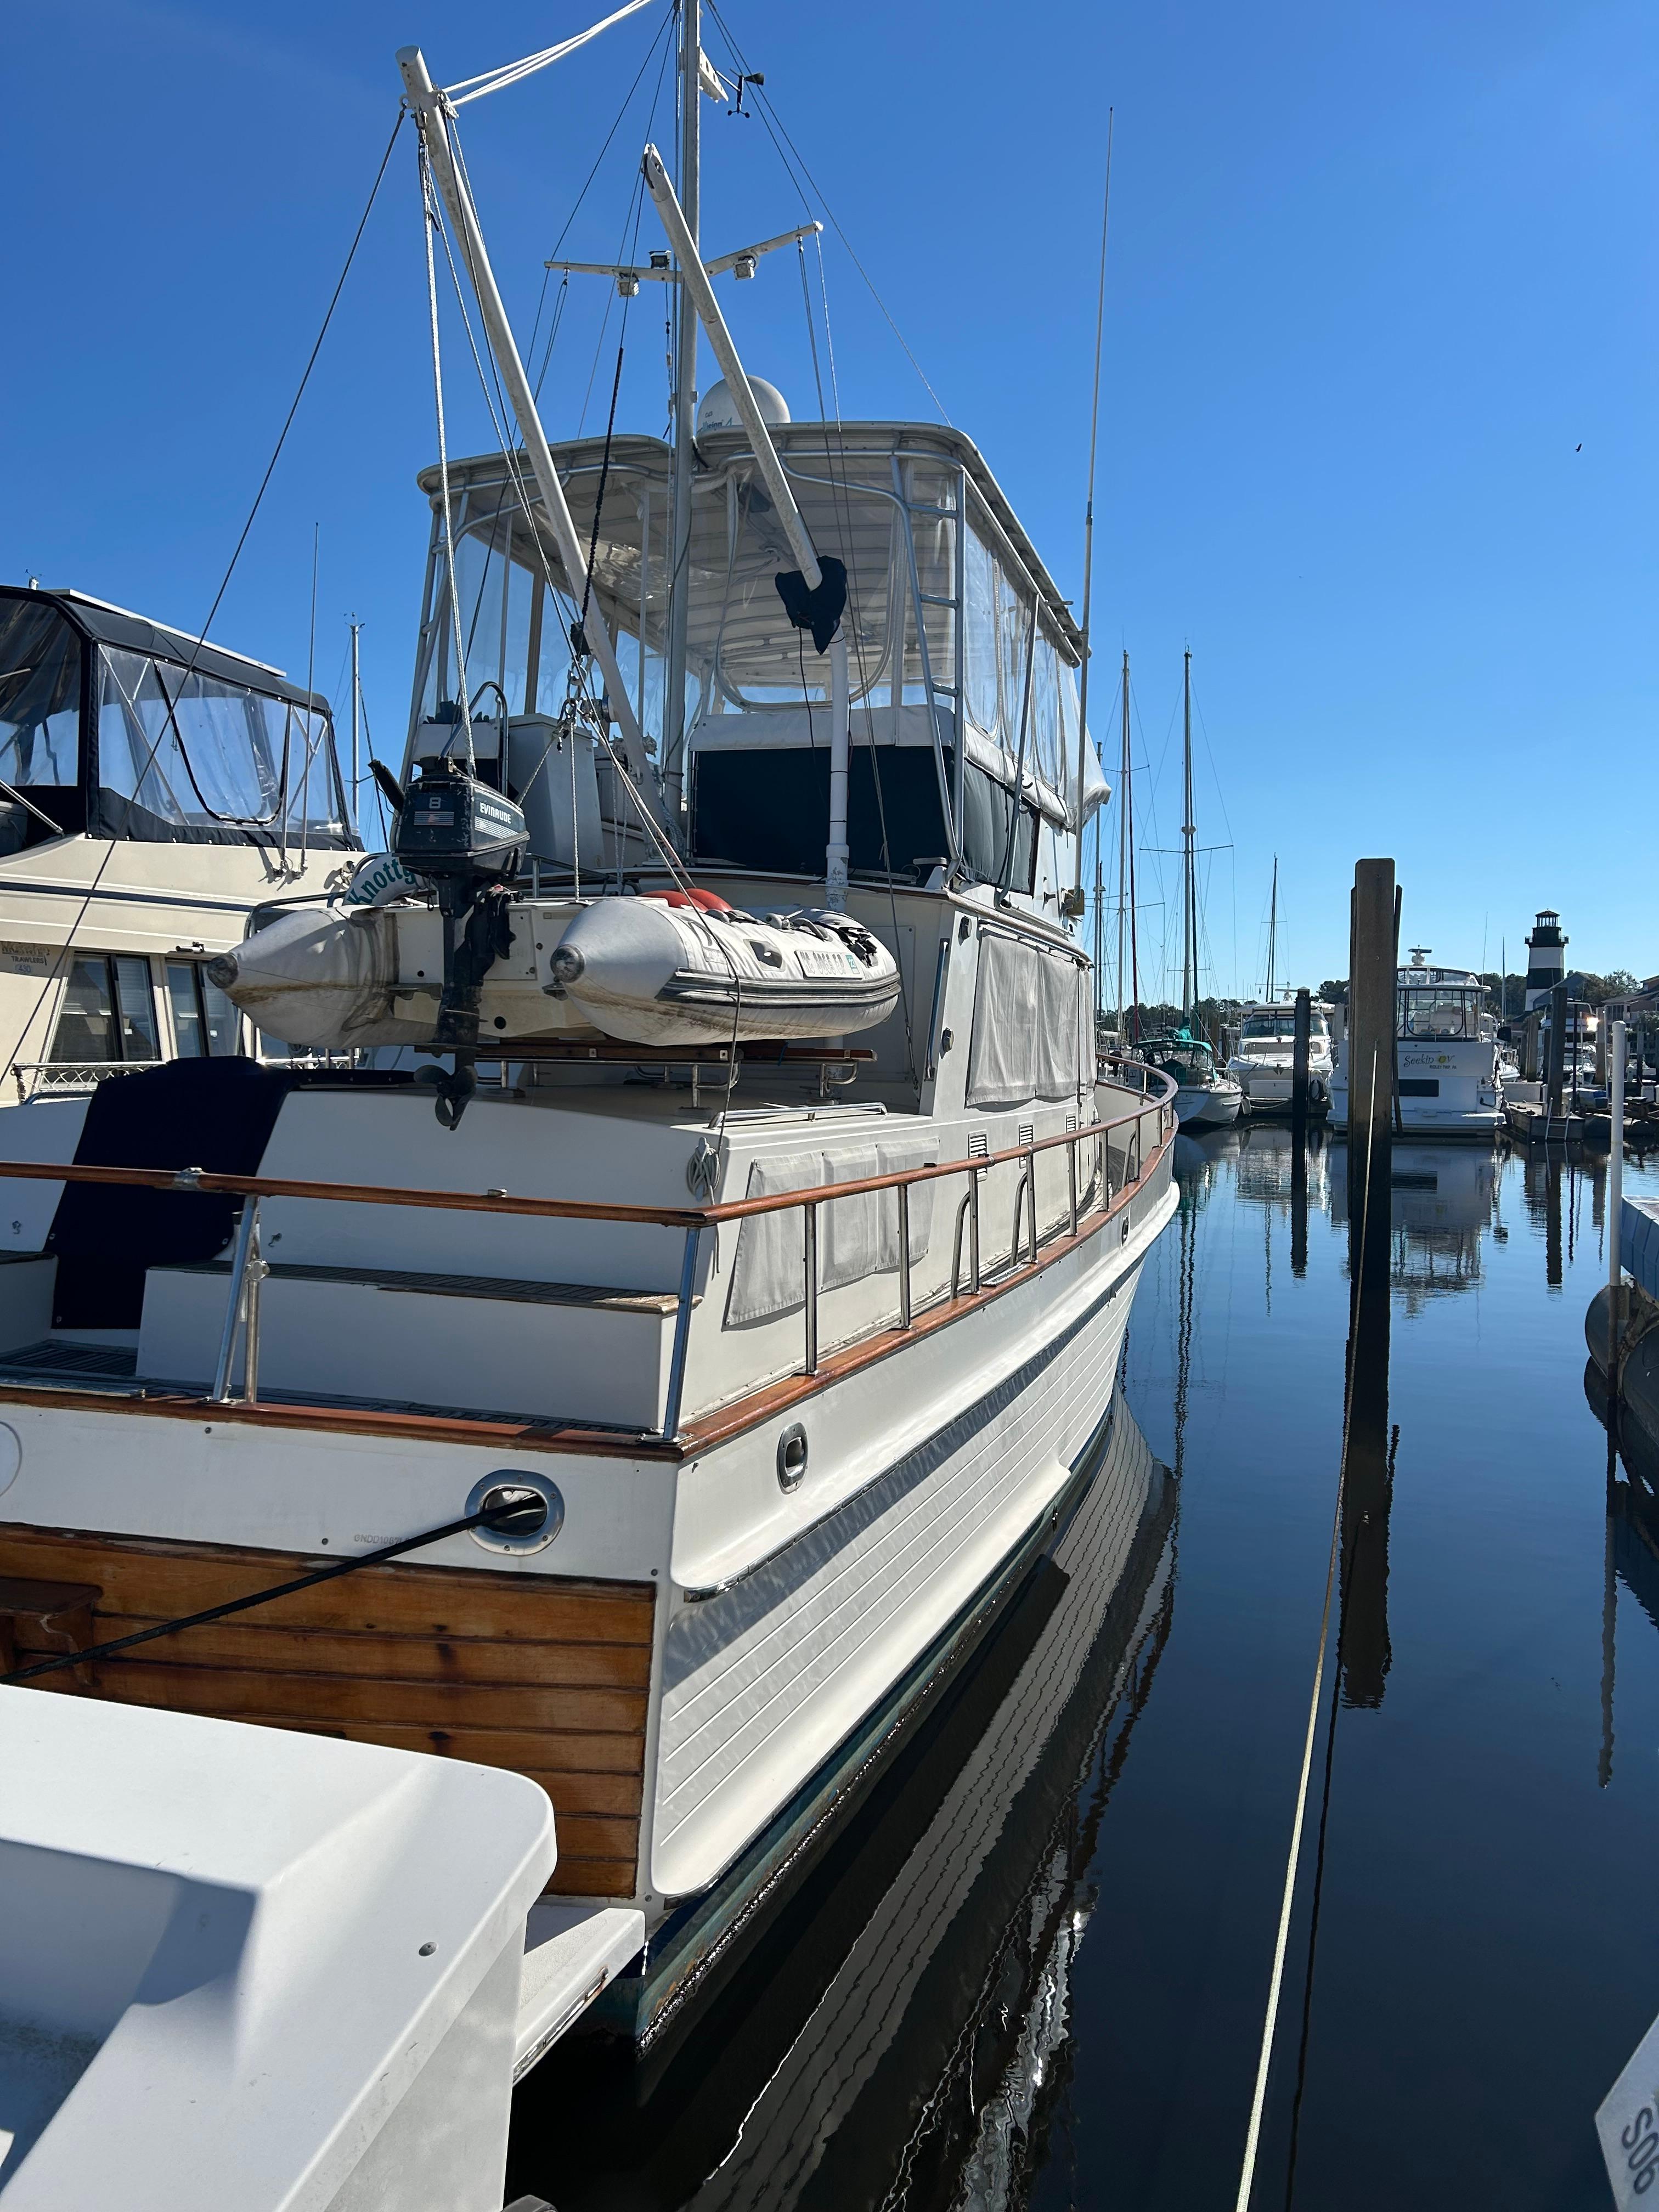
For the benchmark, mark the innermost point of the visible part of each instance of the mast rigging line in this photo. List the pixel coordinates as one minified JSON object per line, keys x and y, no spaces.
{"x":769,"y":117}
{"x":497,"y":79}
{"x":91,"y":890}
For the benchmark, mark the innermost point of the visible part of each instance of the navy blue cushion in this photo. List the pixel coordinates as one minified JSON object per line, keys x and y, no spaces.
{"x":214,"y":1114}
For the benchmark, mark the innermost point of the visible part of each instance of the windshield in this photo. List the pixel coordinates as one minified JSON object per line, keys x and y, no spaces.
{"x":1439,"y":1011}
{"x":39,"y":695}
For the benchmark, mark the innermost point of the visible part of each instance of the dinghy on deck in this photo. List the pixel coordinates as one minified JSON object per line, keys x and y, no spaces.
{"x":647,"y":970}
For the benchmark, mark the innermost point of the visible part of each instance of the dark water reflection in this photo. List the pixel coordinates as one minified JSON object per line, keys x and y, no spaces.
{"x":1032,"y":1970}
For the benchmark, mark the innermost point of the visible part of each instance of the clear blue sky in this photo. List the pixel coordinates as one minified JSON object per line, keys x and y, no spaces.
{"x":1378,"y":436}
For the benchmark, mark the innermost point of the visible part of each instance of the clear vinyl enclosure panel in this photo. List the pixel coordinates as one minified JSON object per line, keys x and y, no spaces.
{"x":107,"y":735}
{"x":947,"y":631}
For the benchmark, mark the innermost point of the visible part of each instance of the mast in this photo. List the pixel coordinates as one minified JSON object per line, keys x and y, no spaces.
{"x":1272,"y":934}
{"x":1126,"y":798}
{"x":685,"y":418}
{"x":428,"y":105}
{"x":1088,"y":527}
{"x":356,"y":695}
{"x":1189,"y":878}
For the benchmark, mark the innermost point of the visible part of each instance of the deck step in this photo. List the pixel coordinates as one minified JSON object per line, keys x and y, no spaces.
{"x":570,"y":1953}
{"x":518,"y":1347}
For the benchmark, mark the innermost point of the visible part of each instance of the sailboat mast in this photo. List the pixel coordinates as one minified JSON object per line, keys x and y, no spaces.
{"x":1272,"y":935}
{"x":1089,"y":522}
{"x":1188,"y":881}
{"x":685,"y":419}
{"x":1125,"y":800}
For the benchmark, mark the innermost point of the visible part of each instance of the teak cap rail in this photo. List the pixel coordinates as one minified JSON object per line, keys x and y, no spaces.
{"x":204,"y":1182}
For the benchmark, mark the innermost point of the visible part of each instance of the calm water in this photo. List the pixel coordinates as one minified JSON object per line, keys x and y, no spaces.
{"x":1033,"y":1970}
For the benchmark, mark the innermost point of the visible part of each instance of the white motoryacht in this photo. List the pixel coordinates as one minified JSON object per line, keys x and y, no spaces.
{"x":1445,"y":1055}
{"x":1263,"y":1060}
{"x":153,"y":790}
{"x":666,"y":1420}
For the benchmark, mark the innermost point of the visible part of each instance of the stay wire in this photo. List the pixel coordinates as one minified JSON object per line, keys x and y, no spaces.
{"x":201,"y":642}
{"x":770,"y":118}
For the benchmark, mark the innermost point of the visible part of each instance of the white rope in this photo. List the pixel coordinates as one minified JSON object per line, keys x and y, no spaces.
{"x":495,"y":80}
{"x":1252,"y":2139}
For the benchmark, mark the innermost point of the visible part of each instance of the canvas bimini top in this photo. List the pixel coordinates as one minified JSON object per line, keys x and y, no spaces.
{"x":115,"y":726}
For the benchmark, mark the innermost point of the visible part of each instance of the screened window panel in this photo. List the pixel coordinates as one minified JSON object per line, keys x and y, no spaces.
{"x":39,"y":695}
{"x":980,"y":679}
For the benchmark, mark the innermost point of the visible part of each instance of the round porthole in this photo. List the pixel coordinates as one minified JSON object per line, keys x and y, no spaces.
{"x":531,"y":1529}
{"x":11,"y":1455}
{"x":792,"y":1457}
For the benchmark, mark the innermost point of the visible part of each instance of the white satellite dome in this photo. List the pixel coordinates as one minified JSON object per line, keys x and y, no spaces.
{"x":717,"y":410}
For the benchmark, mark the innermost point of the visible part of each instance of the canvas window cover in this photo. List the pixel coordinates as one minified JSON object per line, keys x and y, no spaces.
{"x":1033,"y":1034}
{"x":858,"y":1236}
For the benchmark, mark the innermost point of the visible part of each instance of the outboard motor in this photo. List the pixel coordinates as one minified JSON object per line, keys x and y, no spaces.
{"x":468,"y":840}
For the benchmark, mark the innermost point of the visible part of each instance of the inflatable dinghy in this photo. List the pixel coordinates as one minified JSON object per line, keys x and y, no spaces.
{"x":672,"y":970}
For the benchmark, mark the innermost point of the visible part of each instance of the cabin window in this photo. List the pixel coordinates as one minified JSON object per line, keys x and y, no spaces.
{"x":108,"y":1013}
{"x":185,"y":755}
{"x":205,"y":1022}
{"x":769,"y":810}
{"x":39,"y":696}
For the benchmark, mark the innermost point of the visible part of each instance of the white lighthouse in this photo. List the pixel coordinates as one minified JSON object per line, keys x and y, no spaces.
{"x":1546,"y":958}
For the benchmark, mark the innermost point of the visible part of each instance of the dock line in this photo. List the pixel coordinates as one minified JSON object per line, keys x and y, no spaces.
{"x":1269,"y":2026}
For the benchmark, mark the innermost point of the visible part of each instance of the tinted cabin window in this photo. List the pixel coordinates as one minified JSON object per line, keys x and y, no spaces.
{"x":771,"y":810}
{"x":85,"y":1026}
{"x":204,"y":1020}
{"x":108,"y":1013}
{"x":40,"y":716}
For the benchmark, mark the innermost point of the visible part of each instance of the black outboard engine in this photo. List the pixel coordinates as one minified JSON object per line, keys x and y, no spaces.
{"x":469,"y":840}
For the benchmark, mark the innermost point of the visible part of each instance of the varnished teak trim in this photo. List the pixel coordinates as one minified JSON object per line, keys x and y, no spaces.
{"x":717,"y":1427}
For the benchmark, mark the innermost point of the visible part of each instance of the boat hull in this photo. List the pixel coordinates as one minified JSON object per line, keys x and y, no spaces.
{"x":762,"y":1629}
{"x":1208,"y":1106}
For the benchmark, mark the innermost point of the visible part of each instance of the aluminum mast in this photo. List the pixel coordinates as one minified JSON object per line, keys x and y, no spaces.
{"x":431,"y":109}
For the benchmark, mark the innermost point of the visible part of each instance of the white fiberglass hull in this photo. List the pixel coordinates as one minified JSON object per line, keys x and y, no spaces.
{"x":1449,"y":1090}
{"x":774,"y":1618}
{"x":1208,"y":1105}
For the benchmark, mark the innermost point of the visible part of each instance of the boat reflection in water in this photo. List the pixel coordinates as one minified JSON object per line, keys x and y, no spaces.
{"x":898,"y":2032}
{"x":1443,"y":1200}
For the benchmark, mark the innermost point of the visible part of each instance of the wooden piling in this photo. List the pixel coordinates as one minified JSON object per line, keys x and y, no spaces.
{"x":1371,"y":1002}
{"x":1299,"y":1060}
{"x":1558,"y":1051}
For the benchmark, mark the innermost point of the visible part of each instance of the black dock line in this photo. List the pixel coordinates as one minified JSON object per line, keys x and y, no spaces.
{"x":501,"y":1517}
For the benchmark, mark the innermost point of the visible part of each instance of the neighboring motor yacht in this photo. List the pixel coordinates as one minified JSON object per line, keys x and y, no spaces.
{"x":1263,"y":1062}
{"x":1445,"y":1054}
{"x":154,"y":789}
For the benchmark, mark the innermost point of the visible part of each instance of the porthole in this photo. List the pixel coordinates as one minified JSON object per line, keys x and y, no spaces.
{"x":507,"y":1487}
{"x":792,"y":1457}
